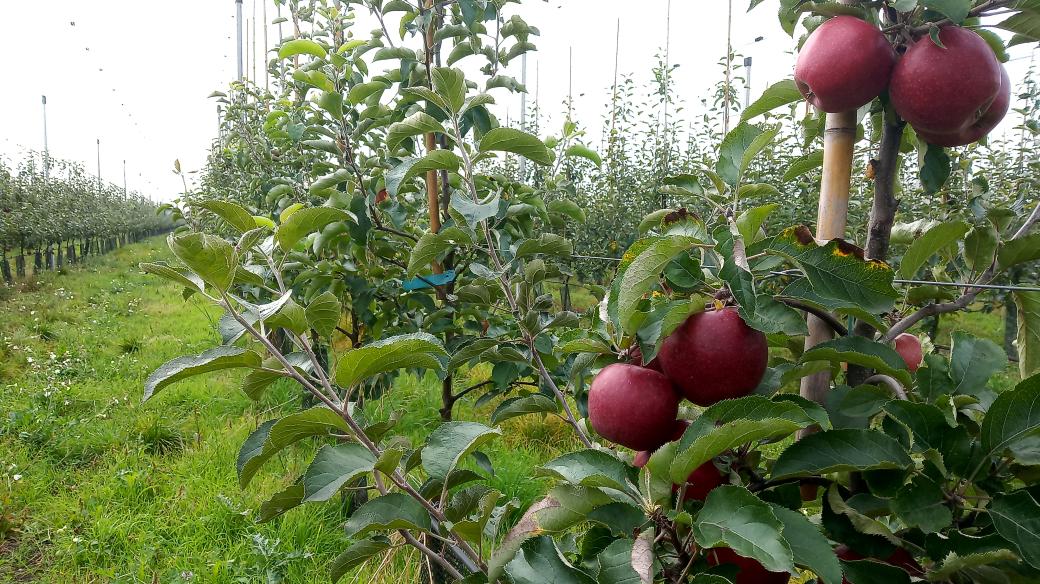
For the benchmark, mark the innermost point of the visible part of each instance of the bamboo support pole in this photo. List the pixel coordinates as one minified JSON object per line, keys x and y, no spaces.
{"x":432,"y":192}
{"x":832,"y":216}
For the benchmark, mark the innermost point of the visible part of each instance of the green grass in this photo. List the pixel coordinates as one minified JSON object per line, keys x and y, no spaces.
{"x":97,"y":487}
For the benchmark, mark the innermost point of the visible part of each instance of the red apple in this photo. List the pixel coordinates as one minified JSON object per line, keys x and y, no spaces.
{"x":844,"y":64}
{"x":643,"y":456}
{"x":985,"y":124}
{"x":714,"y":356}
{"x":382,"y":196}
{"x":899,"y":558}
{"x":909,"y":348}
{"x":945,"y":90}
{"x":749,"y":571}
{"x":702,"y":481}
{"x":633,"y":406}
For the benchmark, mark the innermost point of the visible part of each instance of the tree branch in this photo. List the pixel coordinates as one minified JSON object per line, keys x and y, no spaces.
{"x":823,"y":315}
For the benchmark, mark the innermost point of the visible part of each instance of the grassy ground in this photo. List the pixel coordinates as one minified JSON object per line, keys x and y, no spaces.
{"x":97,"y":487}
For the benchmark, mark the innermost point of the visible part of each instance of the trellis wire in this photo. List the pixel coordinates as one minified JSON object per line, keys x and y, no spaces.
{"x":897,"y":281}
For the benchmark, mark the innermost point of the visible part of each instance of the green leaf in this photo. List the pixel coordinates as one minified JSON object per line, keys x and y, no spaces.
{"x":274,"y":435}
{"x":750,"y":221}
{"x":760,"y":311}
{"x":306,"y":221}
{"x":1017,"y":518}
{"x":980,"y":245}
{"x":215,"y":359}
{"x":873,"y":572}
{"x":954,"y":563}
{"x":539,"y":561}
{"x":567,"y":208}
{"x":838,"y":270}
{"x":1024,"y":24}
{"x":333,"y":467}
{"x":810,"y":548}
{"x":450,"y":84}
{"x":807,"y":163}
{"x":363,"y":91}
{"x":861,"y":351}
{"x":955,"y":10}
{"x":421,"y":350}
{"x":517,"y":142}
{"x":922,"y":504}
{"x":182,"y":277}
{"x":935,"y":169}
{"x":436,"y":160}
{"x":589,"y":468}
{"x":209,"y":256}
{"x":564,"y":507}
{"x":973,"y":361}
{"x":280,"y":503}
{"x":514,"y":407}
{"x":841,"y":450}
{"x":414,"y":125}
{"x":733,"y":517}
{"x":450,"y":443}
{"x":1028,"y":304}
{"x":925,"y":421}
{"x":614,"y":564}
{"x":731,"y":423}
{"x":644,"y":272}
{"x":323,"y":313}
{"x":472,"y":212}
{"x":546,"y":243}
{"x":431,"y":245}
{"x":235,"y":215}
{"x":301,"y":47}
{"x":732,"y":150}
{"x":389,"y":512}
{"x":582,"y":151}
{"x":358,"y":553}
{"x":1018,"y":251}
{"x":776,"y":95}
{"x":1013,"y":423}
{"x":928,"y":244}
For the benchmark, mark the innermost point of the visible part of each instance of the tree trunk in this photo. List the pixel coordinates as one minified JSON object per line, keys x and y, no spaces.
{"x":1010,"y":328}
{"x":882,"y":216}
{"x":37,"y":262}
{"x":5,"y":270}
{"x":19,"y":265}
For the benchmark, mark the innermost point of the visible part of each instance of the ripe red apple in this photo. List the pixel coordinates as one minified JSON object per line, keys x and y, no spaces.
{"x":844,"y":64}
{"x":983,"y":126}
{"x":749,"y":571}
{"x":945,"y":90}
{"x":382,"y":196}
{"x":714,"y":356}
{"x":702,"y":481}
{"x":899,"y":558}
{"x":633,"y":406}
{"x":909,"y":348}
{"x":643,"y":456}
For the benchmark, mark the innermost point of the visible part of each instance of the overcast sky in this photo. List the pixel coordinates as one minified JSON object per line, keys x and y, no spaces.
{"x":137,"y":74}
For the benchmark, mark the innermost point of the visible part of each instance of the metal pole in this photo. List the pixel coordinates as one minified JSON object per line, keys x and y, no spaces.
{"x":267,"y":73}
{"x":99,"y":166}
{"x":46,"y":150}
{"x":747,"y":86}
{"x":238,"y":27}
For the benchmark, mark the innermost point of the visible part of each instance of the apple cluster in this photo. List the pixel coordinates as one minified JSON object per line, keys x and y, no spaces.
{"x":951,"y":89}
{"x":712,"y":356}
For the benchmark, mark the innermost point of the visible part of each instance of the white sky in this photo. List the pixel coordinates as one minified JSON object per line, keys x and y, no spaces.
{"x":137,"y":74}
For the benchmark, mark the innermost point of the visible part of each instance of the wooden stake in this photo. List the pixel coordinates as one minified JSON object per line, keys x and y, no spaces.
{"x":832,"y":217}
{"x":432,"y":192}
